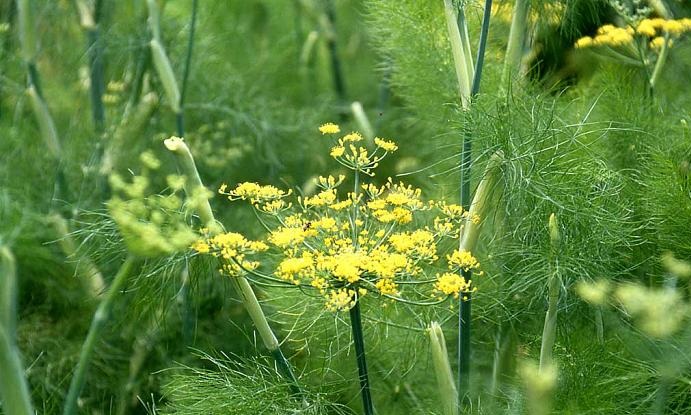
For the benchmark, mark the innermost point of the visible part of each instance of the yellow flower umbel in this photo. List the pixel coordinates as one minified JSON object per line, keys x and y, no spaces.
{"x":642,"y":43}
{"x":349,"y":244}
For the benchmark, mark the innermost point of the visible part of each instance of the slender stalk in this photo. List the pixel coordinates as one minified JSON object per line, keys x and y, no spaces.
{"x":186,"y":70}
{"x":336,"y":70}
{"x":549,"y":331}
{"x":265,"y":333}
{"x":468,"y":241}
{"x":363,"y":376}
{"x":464,"y":318}
{"x":514,"y":49}
{"x":484,"y":34}
{"x":249,"y":299}
{"x":193,"y":187}
{"x":660,"y":63}
{"x":599,"y":326}
{"x":90,"y":19}
{"x":14,"y":390}
{"x":85,"y":268}
{"x":442,"y":370}
{"x":97,"y":324}
{"x":471,"y":231}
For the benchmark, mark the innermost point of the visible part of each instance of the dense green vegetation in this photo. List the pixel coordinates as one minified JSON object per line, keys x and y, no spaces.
{"x":562,"y":170}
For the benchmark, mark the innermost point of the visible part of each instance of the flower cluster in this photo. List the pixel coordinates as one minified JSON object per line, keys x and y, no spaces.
{"x":151,"y":224}
{"x":653,"y":31}
{"x":346,"y":244}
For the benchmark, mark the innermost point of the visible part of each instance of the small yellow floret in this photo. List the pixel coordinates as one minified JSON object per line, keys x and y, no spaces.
{"x":385,"y":144}
{"x":450,"y":283}
{"x":584,"y":42}
{"x":462,"y":259}
{"x":329,"y":128}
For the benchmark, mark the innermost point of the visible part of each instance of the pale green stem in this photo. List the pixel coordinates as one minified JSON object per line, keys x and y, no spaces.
{"x":194,"y":189}
{"x":549,"y":330}
{"x":27,"y":31}
{"x":166,"y":75}
{"x":599,"y":326}
{"x":462,"y":60}
{"x":362,"y":120}
{"x":442,"y":370}
{"x":479,"y":205}
{"x":45,"y":123}
{"x":660,"y":62}
{"x":14,"y":390}
{"x":97,"y":324}
{"x":84,"y":266}
{"x":517,"y":33}
{"x":465,"y":39}
{"x":193,"y":185}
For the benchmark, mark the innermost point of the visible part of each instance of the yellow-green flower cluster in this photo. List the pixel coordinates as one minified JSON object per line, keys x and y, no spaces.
{"x":151,"y":224}
{"x":655,"y":30}
{"x":347,"y":245}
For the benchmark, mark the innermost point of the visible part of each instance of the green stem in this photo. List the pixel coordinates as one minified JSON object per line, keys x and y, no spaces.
{"x":459,"y":50}
{"x":660,"y":63}
{"x":96,"y":76}
{"x":14,"y":390}
{"x":484,"y":34}
{"x":549,"y":330}
{"x":97,"y":324}
{"x":193,"y":186}
{"x":514,"y":49}
{"x":249,"y":299}
{"x":265,"y":333}
{"x":464,"y":318}
{"x":363,"y":376}
{"x":336,"y":70}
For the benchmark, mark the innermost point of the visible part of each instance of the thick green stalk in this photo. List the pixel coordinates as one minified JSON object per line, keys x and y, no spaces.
{"x":90,"y":23}
{"x":188,"y":65}
{"x":517,"y":33}
{"x":480,"y":205}
{"x":267,"y":335}
{"x":97,"y":324}
{"x":442,"y":370}
{"x":363,"y":375}
{"x":193,"y":186}
{"x":166,"y":75}
{"x":549,"y":331}
{"x":468,"y":241}
{"x":84,"y":267}
{"x":14,"y":390}
{"x":362,"y":120}
{"x":336,"y":70}
{"x":459,"y":49}
{"x":27,"y":31}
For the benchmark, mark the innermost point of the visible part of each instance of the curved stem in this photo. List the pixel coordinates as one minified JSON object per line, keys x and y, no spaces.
{"x":363,"y":376}
{"x":267,"y":335}
{"x":97,"y":324}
